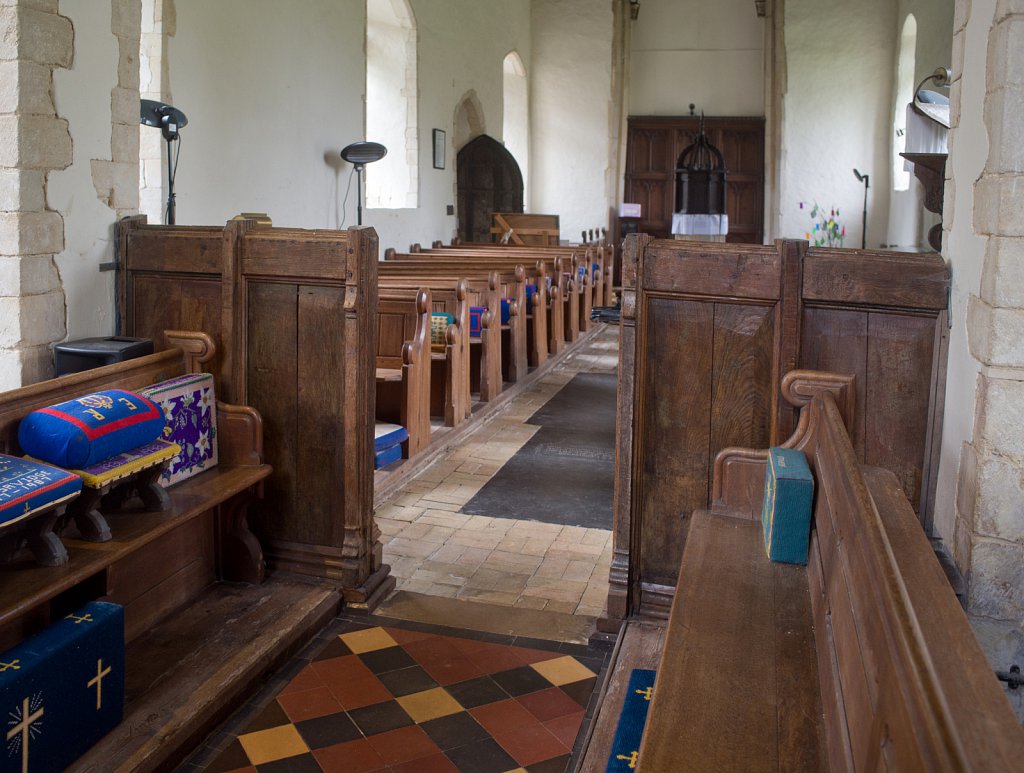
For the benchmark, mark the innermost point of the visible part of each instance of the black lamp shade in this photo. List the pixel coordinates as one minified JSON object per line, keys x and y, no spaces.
{"x":360,"y":153}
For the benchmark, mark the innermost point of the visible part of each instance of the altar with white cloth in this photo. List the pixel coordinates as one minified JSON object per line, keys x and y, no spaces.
{"x":700,"y":227}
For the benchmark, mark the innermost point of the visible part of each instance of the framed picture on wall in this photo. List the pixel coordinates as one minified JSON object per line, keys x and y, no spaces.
{"x":438,"y":148}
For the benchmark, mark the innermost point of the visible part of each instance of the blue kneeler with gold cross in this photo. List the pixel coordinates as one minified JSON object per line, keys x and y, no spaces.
{"x":62,"y":689}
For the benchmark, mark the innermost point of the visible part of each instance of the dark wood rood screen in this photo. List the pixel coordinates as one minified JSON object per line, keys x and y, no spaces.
{"x":708,"y":331}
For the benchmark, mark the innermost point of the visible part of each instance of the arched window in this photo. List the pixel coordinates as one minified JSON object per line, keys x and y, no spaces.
{"x":516,"y":124}
{"x":904,"y":95}
{"x":392,"y":182}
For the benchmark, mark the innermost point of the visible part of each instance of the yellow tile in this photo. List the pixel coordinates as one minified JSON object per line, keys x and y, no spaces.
{"x":273,"y":744}
{"x":429,"y":704}
{"x":368,"y":640}
{"x":564,"y":670}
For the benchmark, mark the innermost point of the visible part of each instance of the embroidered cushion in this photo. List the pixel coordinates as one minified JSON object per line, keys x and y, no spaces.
{"x":80,"y":432}
{"x":27,"y":486}
{"x":387,"y":456}
{"x":506,"y":310}
{"x":387,"y":435}
{"x":190,"y":410}
{"x":531,"y":290}
{"x":121,"y":465}
{"x":439,"y":322}
{"x":476,"y":320}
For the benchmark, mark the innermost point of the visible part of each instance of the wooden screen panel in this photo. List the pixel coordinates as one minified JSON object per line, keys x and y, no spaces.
{"x":159,"y":303}
{"x":320,"y":404}
{"x":271,"y":365}
{"x":835,"y":340}
{"x":741,"y":391}
{"x":650,"y":150}
{"x":899,"y":371}
{"x":891,"y":356}
{"x":672,"y":429}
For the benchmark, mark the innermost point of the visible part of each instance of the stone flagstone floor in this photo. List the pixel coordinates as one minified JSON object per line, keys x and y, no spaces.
{"x":436,"y":549}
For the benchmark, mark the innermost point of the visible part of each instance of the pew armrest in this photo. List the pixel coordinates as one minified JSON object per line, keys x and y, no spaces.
{"x":239,"y":435}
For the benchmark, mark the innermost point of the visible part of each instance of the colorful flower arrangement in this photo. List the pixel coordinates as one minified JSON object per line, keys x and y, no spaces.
{"x":827,"y":231}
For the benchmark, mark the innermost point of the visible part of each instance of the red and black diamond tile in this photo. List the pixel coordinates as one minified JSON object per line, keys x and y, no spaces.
{"x":385,"y":695}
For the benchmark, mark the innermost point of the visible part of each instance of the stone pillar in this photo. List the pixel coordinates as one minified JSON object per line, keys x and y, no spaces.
{"x":34,"y":40}
{"x":991,"y":485}
{"x":158,"y":25}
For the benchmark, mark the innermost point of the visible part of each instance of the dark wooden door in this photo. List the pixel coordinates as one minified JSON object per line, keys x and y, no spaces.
{"x":653,"y":146}
{"x":488,"y":181}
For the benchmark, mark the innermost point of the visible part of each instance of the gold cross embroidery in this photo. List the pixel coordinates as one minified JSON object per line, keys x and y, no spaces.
{"x":22,"y":729}
{"x":647,"y":693}
{"x":98,"y":682}
{"x":630,"y":758}
{"x":86,"y":618}
{"x":13,"y":665}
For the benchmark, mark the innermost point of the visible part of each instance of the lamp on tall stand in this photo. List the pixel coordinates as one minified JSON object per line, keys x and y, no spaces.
{"x":170,"y":120}
{"x":359,"y":154}
{"x":864,"y":233}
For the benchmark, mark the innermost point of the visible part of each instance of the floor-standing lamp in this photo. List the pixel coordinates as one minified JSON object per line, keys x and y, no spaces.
{"x":170,"y":120}
{"x":359,"y":154}
{"x":864,"y":233}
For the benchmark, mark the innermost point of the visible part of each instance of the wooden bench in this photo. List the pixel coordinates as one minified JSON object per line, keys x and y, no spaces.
{"x":862,"y":660}
{"x":450,"y":396}
{"x":403,"y":363}
{"x":539,"y":273}
{"x":290,"y":311}
{"x":483,"y":353}
{"x":575,"y":281}
{"x":196,"y":645}
{"x":707,"y":332}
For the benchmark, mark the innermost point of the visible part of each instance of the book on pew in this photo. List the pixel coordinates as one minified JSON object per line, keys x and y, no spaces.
{"x":786,"y":510}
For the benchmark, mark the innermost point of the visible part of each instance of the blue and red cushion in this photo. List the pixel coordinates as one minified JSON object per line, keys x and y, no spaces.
{"x":80,"y":432}
{"x":476,"y":320}
{"x":27,"y":487}
{"x":387,"y":435}
{"x":387,"y":456}
{"x":506,"y":310}
{"x":531,"y":290}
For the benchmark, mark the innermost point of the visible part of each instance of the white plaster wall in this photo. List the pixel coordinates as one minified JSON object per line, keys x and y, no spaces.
{"x":272,"y":92}
{"x":82,"y":96}
{"x":462,"y":45}
{"x":572,"y":121}
{"x":837,"y":113}
{"x":710,"y":54}
{"x":965,"y":252}
{"x":908,"y":221}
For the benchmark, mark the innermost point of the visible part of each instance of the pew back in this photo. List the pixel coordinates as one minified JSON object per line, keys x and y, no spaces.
{"x":291,"y":312}
{"x":707,"y":331}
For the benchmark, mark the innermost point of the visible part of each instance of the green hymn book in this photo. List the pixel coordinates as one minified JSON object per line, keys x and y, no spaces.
{"x":786,"y":511}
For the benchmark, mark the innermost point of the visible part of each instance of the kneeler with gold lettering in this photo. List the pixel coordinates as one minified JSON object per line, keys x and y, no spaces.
{"x":62,"y":689}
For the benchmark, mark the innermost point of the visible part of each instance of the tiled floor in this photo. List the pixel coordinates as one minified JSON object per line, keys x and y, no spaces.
{"x":434,"y":548}
{"x":387,"y":695}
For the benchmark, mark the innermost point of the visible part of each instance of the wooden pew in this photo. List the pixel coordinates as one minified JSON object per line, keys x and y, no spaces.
{"x":574,"y":263}
{"x":538,"y":273}
{"x":403,"y":363}
{"x":862,"y":660}
{"x":505,"y":281}
{"x":484,"y":289}
{"x":601,"y":254}
{"x":195,"y":645}
{"x":706,"y":332}
{"x":291,"y":312}
{"x":450,"y":396}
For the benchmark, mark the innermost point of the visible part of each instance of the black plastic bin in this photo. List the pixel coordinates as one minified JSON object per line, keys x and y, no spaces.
{"x":87,"y":353}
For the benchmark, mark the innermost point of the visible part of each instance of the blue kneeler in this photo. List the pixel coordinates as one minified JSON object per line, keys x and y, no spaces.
{"x":63,"y":689}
